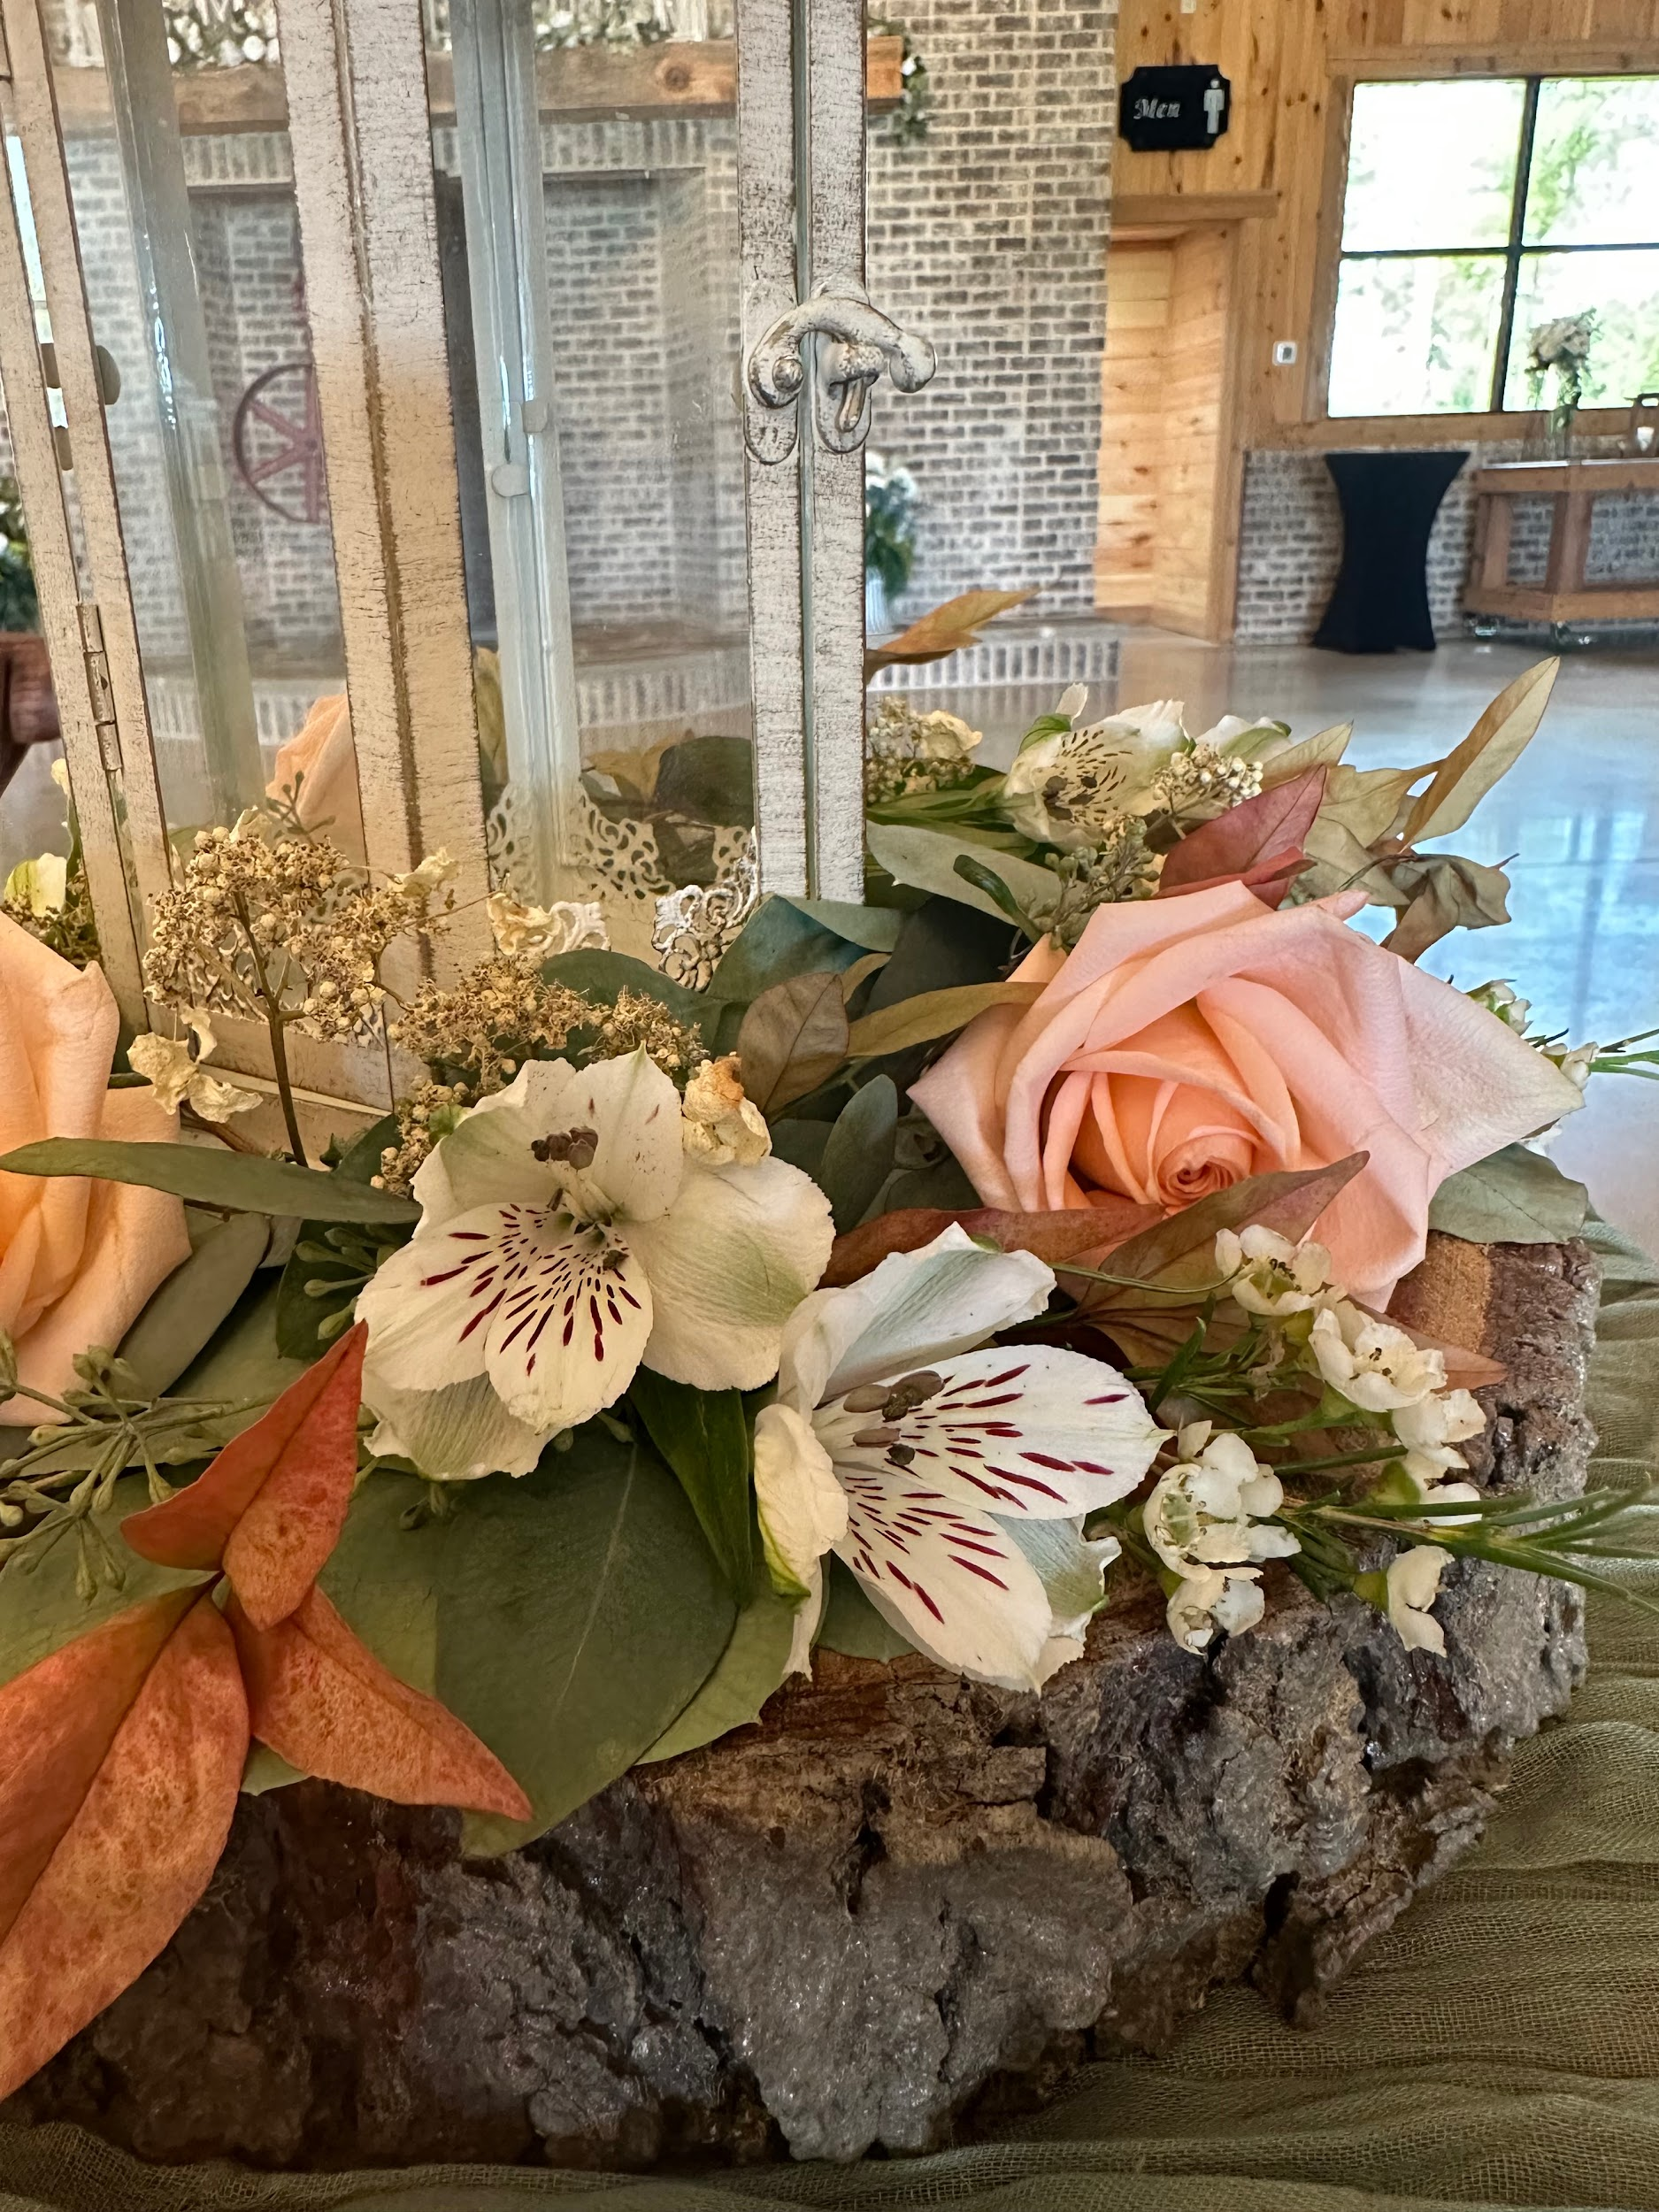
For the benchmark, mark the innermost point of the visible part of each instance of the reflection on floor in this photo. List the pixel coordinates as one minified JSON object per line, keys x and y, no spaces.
{"x":1577,"y":823}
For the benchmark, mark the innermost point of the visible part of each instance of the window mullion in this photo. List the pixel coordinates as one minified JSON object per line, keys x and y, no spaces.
{"x":1512,"y":255}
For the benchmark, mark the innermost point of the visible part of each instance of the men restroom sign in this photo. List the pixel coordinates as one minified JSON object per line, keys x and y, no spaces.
{"x":1174,"y":109}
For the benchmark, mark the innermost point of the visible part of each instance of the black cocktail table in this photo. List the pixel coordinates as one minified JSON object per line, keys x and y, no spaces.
{"x":1389,"y":502}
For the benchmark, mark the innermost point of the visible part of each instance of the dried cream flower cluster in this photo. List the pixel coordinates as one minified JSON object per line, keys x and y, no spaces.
{"x":908,"y":752}
{"x":490,"y":1022}
{"x":1200,"y":781}
{"x":478,"y":1034}
{"x":282,"y":927}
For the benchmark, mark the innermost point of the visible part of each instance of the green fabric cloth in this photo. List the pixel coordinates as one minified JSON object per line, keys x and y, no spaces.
{"x":1499,"y":2047}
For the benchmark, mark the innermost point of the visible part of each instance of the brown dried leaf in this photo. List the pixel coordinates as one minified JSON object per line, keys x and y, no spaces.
{"x":1489,"y":751}
{"x":945,"y":629}
{"x":1445,"y":891}
{"x":1268,"y":829}
{"x":932,"y":1014}
{"x":795,"y":1036}
{"x":1177,"y":1254}
{"x":1082,"y":1235}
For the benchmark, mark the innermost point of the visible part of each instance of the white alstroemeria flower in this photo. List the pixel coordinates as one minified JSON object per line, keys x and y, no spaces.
{"x":1269,"y":1275}
{"x":1414,"y":1583}
{"x":1371,"y":1363}
{"x":1215,"y":1598}
{"x":722,"y":1125}
{"x":566,"y":1237}
{"x":1214,"y":1508}
{"x":177,"y":1077}
{"x":530,"y":934}
{"x":1064,"y":788}
{"x":42,"y":885}
{"x":965,"y":1473}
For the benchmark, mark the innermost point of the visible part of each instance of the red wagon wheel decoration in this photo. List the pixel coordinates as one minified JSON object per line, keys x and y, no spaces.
{"x":283,"y":404}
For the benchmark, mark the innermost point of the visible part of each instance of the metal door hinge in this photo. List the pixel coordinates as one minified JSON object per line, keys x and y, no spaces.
{"x":98,"y":687}
{"x":853,"y":343}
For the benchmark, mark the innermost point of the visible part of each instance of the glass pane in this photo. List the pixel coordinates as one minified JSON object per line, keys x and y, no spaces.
{"x":587,"y":221}
{"x":1621,"y":290}
{"x":1431,"y":164}
{"x":1596,"y":163}
{"x":181,"y":176}
{"x":31,"y":805}
{"x":1416,"y":337}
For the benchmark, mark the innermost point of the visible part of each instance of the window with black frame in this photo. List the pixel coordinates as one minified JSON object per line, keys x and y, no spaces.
{"x":1477,"y":211}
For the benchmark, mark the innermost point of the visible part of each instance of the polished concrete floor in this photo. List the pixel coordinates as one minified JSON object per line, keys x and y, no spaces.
{"x":1576,"y":822}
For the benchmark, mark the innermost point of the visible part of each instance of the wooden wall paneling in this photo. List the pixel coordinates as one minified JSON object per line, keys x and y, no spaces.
{"x":1140,"y":279}
{"x":1193,"y":428}
{"x":1243,"y":39}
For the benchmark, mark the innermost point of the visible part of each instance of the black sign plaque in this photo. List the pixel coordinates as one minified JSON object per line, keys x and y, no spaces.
{"x":1179,"y":108}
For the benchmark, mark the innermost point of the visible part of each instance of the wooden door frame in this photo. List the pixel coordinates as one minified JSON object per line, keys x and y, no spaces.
{"x":1229,"y":215}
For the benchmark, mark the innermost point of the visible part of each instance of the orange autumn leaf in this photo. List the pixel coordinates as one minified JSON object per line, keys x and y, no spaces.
{"x":270,"y":1507}
{"x":120,"y":1759}
{"x":323,"y":1702}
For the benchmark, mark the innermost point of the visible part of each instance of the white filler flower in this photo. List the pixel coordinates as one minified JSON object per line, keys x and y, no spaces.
{"x":567,"y":1236}
{"x":953,"y":1481}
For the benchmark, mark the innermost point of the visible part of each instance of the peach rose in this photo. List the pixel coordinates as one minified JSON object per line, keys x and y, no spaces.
{"x":1189,"y":1042}
{"x":77,"y":1259}
{"x":322,"y":754}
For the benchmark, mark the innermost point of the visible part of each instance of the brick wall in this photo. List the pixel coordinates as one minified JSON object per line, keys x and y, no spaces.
{"x":1290,"y":543}
{"x":989,"y":237}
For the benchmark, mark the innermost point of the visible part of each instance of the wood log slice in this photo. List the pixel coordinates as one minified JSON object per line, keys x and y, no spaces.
{"x":899,"y":1904}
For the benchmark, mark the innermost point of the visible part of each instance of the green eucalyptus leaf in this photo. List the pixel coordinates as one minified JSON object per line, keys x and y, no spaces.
{"x":1515,"y":1197}
{"x":703,"y":1435}
{"x":709,"y":780}
{"x":858,"y":1156}
{"x":266,"y":1770}
{"x":40,"y":1609}
{"x":207,"y":1175}
{"x":196,"y":1298}
{"x":801,"y":1142}
{"x":873,"y":928}
{"x":567,"y":1616}
{"x":927,"y":859}
{"x":750,"y":1668}
{"x":781,"y":939}
{"x":851,"y":1624}
{"x":241,"y":1361}
{"x":602,"y":975}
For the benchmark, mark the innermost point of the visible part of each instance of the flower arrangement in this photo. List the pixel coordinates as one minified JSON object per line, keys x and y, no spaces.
{"x":944,"y":1263}
{"x":1561,"y":347}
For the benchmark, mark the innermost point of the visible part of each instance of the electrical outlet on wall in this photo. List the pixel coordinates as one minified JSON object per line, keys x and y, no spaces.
{"x":1284,"y":353}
